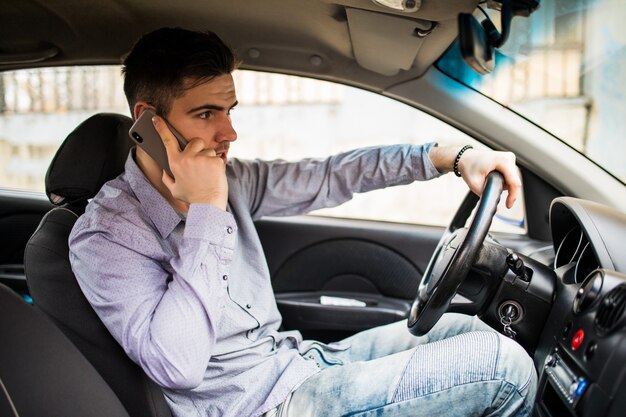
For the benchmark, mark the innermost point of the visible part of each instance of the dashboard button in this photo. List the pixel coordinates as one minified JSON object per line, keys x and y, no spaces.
{"x":578,"y":338}
{"x":582,"y":385}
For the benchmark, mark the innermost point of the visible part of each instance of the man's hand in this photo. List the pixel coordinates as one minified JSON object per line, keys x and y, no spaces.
{"x":199,"y":174}
{"x":475,"y":165}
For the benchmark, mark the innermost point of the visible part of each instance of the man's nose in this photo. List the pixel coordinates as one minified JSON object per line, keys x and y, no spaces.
{"x":226,"y":131}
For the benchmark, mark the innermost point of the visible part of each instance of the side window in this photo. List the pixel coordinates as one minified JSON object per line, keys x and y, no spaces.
{"x":279,"y":117}
{"x":40,"y":107}
{"x":291,"y":117}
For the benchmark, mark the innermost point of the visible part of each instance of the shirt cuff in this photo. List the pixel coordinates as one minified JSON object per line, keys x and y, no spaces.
{"x":207,"y":222}
{"x":423,"y":167}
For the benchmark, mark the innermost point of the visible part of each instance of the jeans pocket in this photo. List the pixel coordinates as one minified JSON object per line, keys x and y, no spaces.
{"x":321,"y":355}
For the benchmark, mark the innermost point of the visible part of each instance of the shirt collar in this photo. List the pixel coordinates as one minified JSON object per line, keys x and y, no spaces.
{"x":158,"y":209}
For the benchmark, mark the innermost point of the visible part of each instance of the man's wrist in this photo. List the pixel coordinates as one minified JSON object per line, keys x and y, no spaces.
{"x":217,"y":204}
{"x":457,"y":159}
{"x":219,"y":201}
{"x":443,"y":157}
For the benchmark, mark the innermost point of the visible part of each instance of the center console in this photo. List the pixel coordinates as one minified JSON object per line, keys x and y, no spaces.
{"x":582,"y":354}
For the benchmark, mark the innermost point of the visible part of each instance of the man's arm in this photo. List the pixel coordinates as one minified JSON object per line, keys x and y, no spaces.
{"x":281,"y":188}
{"x":164,"y":320}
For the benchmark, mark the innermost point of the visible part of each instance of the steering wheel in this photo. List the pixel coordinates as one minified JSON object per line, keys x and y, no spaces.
{"x":455,"y":254}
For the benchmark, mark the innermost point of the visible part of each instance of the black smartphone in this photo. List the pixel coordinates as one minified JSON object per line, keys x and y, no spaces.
{"x":145,"y":135}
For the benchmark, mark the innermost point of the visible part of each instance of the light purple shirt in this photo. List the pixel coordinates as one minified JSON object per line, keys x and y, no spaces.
{"x":189,"y":298}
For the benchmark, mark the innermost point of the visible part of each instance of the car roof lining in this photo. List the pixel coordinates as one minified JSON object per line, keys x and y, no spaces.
{"x":285,"y":37}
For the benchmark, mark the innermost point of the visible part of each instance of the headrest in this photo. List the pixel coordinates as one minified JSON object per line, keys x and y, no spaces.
{"x":94,"y":153}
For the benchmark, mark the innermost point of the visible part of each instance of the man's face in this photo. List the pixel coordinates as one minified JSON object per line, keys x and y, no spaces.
{"x":204,"y":112}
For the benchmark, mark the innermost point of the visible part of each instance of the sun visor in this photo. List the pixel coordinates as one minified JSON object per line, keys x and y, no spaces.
{"x":390,"y":48}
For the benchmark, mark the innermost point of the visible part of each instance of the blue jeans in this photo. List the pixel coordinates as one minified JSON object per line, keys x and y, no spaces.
{"x":462,"y":367}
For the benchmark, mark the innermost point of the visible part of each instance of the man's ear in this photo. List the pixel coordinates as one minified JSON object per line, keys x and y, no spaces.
{"x":139,"y":107}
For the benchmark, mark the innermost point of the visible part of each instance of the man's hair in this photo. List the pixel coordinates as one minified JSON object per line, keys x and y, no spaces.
{"x":166,"y":62}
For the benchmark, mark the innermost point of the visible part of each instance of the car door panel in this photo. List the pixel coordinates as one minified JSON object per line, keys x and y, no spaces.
{"x":377,"y":265}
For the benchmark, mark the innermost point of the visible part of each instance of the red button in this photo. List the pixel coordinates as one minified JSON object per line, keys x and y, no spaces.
{"x":577,"y":340}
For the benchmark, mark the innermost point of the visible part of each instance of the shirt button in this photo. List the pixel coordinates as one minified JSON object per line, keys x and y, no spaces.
{"x":248,"y":306}
{"x":229,"y":230}
{"x":225,"y":277}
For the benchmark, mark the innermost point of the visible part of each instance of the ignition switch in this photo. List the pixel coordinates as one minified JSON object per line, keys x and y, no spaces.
{"x":510,"y":310}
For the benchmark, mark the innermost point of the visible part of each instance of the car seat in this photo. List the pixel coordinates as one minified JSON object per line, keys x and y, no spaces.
{"x":42,"y":373}
{"x":94,"y":153}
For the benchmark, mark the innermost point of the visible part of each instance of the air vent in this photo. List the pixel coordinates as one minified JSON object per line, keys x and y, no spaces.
{"x":611,"y":309}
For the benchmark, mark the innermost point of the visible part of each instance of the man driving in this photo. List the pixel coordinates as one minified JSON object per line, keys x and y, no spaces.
{"x":174,"y":267}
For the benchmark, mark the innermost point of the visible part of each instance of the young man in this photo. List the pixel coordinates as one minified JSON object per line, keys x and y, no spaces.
{"x":175,"y":269}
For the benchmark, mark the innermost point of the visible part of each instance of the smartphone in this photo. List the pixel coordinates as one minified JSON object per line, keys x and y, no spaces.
{"x":145,"y":135}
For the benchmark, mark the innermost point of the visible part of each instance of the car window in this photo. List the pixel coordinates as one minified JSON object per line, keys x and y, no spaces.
{"x":40,"y":107}
{"x":292,"y":117}
{"x":279,"y":116}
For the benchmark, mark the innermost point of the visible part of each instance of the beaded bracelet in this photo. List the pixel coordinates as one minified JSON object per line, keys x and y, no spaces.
{"x":458,"y":158}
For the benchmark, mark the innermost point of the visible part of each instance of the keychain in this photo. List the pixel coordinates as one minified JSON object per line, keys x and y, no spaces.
{"x":506,"y":321}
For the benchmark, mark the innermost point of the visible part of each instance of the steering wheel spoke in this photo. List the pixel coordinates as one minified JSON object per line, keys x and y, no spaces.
{"x":462,"y":304}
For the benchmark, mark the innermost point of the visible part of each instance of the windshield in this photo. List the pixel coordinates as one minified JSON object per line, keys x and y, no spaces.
{"x":564,"y":68}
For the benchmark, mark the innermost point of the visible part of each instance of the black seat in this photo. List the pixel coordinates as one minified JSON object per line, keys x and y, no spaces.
{"x":42,"y":373}
{"x":94,"y":153}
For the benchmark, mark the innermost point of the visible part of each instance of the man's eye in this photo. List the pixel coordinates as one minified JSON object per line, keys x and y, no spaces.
{"x":205,"y":115}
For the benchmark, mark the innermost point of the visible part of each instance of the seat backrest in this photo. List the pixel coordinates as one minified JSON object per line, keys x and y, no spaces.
{"x":94,"y":153}
{"x":42,"y":373}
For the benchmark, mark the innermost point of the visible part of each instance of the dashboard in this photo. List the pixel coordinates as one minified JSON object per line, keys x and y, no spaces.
{"x":581,"y":354}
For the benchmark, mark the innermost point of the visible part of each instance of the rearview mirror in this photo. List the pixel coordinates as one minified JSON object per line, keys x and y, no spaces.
{"x":476,"y":48}
{"x":478,"y":40}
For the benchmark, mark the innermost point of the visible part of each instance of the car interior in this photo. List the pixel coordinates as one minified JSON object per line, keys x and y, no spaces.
{"x":559,"y":288}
